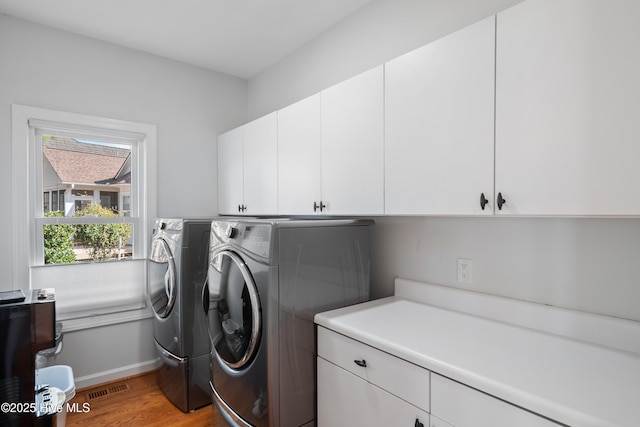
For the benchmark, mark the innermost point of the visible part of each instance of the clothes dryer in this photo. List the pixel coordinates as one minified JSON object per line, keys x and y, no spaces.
{"x":266,"y":281}
{"x":176,"y":276}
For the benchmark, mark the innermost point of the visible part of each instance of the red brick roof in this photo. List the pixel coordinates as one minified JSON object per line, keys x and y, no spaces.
{"x":78,"y":162}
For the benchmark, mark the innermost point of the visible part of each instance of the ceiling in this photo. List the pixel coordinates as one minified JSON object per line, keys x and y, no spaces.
{"x":237,"y":37}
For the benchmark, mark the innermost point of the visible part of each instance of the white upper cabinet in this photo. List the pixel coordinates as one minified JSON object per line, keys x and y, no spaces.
{"x":299,"y":158}
{"x":321,"y":155}
{"x":352,"y":127}
{"x":230,"y":172}
{"x":439,"y":125}
{"x":247,"y":168}
{"x":261,"y":166}
{"x":567,"y":108}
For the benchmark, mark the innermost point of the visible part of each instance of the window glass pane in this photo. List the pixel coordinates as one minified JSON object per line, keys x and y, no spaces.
{"x":82,"y":205}
{"x":82,"y":193}
{"x":81,"y":243}
{"x":90,"y":172}
{"x":58,"y":243}
{"x":91,"y":179}
{"x":54,"y":202}
{"x":126,"y":205}
{"x":109,"y":200}
{"x":45,"y":201}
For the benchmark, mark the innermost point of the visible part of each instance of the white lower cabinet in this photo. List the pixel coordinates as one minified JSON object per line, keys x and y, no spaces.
{"x":359,"y":385}
{"x":345,"y":399}
{"x":462,"y":406}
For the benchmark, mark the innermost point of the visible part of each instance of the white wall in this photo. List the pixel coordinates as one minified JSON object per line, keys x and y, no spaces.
{"x":107,"y":353}
{"x":379,"y":31}
{"x":585,"y":264}
{"x":47,"y":68}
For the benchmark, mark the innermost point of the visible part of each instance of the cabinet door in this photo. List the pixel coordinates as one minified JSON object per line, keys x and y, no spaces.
{"x":567,"y":107}
{"x":230,"y":171}
{"x":347,"y":400}
{"x":260,"y":166}
{"x":299,"y":157}
{"x":463,"y":406}
{"x":401,"y":378}
{"x":439,"y":125}
{"x":437,"y":422}
{"x":352,"y":145}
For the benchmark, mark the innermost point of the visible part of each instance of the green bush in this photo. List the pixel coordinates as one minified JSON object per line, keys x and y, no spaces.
{"x":102,"y":239}
{"x":58,"y":241}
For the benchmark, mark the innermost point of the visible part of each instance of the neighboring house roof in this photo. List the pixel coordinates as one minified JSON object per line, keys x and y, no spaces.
{"x":80,"y":162}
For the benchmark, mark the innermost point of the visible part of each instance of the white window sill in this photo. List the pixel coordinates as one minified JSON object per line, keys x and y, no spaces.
{"x":96,"y":321}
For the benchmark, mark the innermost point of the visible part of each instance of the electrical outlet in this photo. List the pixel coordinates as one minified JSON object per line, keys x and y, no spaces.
{"x":464,"y":270}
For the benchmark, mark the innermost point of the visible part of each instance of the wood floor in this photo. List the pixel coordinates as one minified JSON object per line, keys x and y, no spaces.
{"x":135,"y":401}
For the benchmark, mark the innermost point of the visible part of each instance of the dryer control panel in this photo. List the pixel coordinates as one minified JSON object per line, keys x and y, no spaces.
{"x":252,"y":237}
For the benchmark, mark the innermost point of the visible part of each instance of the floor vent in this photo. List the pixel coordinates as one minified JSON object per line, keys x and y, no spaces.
{"x":106,"y":391}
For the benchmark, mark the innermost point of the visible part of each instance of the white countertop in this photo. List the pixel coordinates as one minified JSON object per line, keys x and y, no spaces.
{"x":569,"y":381}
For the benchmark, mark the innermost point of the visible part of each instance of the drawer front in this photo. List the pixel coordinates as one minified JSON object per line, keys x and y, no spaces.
{"x":399,"y":377}
{"x":464,"y":406}
{"x":345,"y":399}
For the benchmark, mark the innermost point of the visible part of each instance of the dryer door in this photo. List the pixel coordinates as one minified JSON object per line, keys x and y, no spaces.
{"x":162,"y":278}
{"x":239,"y":315}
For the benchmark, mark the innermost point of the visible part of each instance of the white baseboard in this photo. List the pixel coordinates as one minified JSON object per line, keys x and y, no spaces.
{"x":116,"y":374}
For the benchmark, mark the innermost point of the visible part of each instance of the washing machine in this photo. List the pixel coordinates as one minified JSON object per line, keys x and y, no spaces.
{"x":266,"y":281}
{"x":177,"y":270}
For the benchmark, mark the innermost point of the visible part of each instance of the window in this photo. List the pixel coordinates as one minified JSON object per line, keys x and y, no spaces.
{"x":53,"y":200}
{"x":109,"y":199}
{"x":94,"y":171}
{"x":84,"y":211}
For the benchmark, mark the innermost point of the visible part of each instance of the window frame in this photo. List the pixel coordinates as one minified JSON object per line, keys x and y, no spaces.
{"x":134,"y":141}
{"x":25,"y":203}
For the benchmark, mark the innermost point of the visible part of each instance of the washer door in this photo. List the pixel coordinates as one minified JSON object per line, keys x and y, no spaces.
{"x":162,"y":278}
{"x":238,"y":310}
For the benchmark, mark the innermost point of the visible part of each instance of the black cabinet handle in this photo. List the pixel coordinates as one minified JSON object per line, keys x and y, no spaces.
{"x":501,"y":201}
{"x":483,"y":201}
{"x":317,"y":206}
{"x":362,"y":363}
{"x":418,"y":423}
{"x":239,"y":208}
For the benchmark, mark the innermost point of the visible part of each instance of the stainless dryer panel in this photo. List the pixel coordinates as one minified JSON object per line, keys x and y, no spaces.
{"x":245,"y":386}
{"x":300,"y":268}
{"x":195,"y":256}
{"x":254,"y":238}
{"x":180,"y":333}
{"x":164,"y":283}
{"x":319,"y":269}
